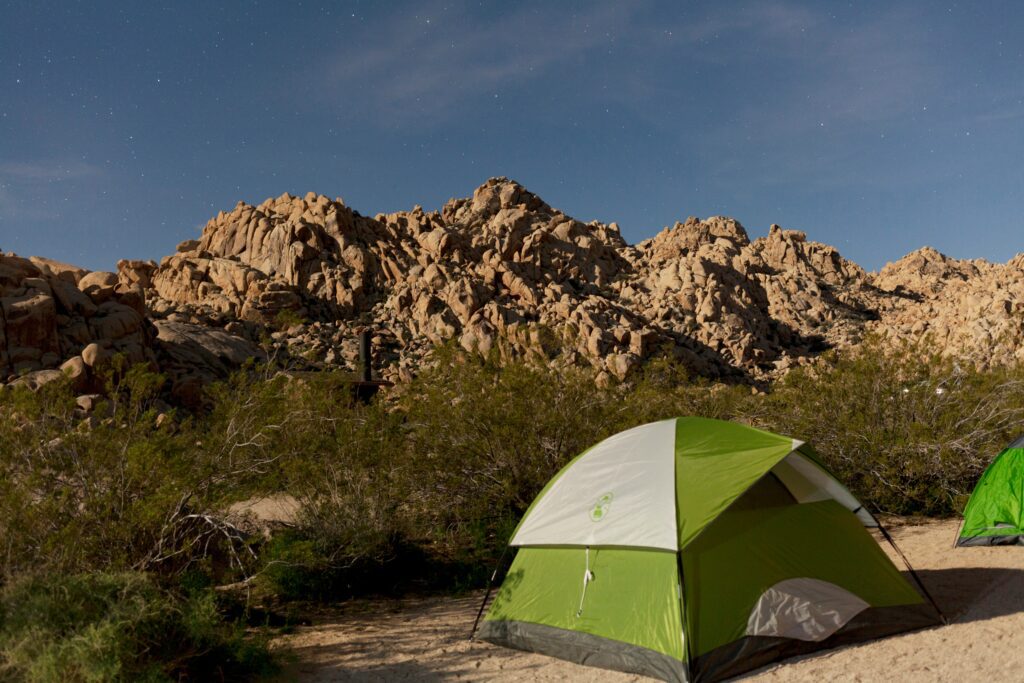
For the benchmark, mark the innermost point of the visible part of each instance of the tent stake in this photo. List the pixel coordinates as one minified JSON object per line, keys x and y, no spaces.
{"x":910,"y":567}
{"x":490,"y":585}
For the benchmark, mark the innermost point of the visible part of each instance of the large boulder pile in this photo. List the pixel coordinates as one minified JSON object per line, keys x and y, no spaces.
{"x":307,"y":256}
{"x":495,"y":267}
{"x":502,"y":270}
{"x":499,"y":272}
{"x":758,"y":305}
{"x":58,"y":318}
{"x":971,"y":309}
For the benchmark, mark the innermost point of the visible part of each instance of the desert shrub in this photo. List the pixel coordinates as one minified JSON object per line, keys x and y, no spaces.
{"x":665,"y":389}
{"x":485,"y":438}
{"x":119,"y":491}
{"x":84,"y":503}
{"x":119,"y":627}
{"x":76,"y":494}
{"x":348,"y":477}
{"x":345,"y":466}
{"x":287,"y":318}
{"x":909,"y":432}
{"x":422,"y":488}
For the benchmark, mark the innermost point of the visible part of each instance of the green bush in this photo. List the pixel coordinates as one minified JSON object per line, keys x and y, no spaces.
{"x":287,"y":318}
{"x":422,"y":488}
{"x":118,"y":491}
{"x":484,"y":438}
{"x":908,"y":432}
{"x":119,"y":627}
{"x":447,"y":466}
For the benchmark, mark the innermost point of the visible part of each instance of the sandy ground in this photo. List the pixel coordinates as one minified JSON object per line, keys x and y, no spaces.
{"x":981,"y":590}
{"x":279,"y":508}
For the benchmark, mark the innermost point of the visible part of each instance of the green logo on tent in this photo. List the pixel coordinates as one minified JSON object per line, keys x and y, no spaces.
{"x":601,"y":507}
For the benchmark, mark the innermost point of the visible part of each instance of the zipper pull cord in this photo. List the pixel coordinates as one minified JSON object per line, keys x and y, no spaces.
{"x":588,"y":576}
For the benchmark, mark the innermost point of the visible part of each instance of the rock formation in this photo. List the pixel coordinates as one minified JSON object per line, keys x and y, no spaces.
{"x":968,"y":308}
{"x":56,"y":316}
{"x":500,"y":271}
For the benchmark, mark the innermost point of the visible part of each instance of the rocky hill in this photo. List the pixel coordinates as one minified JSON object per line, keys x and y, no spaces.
{"x":503,"y":271}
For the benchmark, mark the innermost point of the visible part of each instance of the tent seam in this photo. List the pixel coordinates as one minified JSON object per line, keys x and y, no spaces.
{"x":688,"y":674}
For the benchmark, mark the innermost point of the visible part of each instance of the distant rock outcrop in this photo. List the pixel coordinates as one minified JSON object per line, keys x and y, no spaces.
{"x":501,"y":270}
{"x":968,"y":308}
{"x":57,"y":316}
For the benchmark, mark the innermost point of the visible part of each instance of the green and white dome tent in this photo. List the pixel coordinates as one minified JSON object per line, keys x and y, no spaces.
{"x":694,"y":550}
{"x":995,"y":512}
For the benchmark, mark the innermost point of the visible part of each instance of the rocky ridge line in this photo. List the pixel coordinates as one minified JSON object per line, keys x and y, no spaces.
{"x":504,"y":271}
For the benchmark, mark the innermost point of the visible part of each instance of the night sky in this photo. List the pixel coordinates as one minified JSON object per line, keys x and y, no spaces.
{"x":876,"y":127}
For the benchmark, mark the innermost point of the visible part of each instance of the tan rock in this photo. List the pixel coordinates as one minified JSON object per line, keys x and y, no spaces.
{"x":77,"y":372}
{"x":100,"y":279}
{"x":38,"y":379}
{"x":136,"y":272}
{"x":71,"y":299}
{"x":202,"y":351}
{"x":619,"y":365}
{"x":100,"y":286}
{"x":89,"y":402}
{"x":57,"y":270}
{"x":29,"y":322}
{"x":114,"y":321}
{"x":94,"y":355}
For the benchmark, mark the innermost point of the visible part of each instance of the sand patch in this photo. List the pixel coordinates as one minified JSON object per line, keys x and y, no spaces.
{"x":981,"y":590}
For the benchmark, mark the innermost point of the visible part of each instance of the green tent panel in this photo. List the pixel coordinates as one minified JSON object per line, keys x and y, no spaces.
{"x":995,"y":512}
{"x":631,"y":619}
{"x":695,"y":550}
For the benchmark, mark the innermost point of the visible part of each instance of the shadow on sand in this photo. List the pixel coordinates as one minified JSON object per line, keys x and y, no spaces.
{"x":971,"y":594}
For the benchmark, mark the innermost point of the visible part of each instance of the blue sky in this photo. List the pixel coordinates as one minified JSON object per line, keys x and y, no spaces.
{"x":876,"y":127}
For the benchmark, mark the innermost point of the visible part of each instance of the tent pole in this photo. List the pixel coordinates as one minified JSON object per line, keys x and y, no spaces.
{"x":959,"y":530}
{"x":913,"y":573}
{"x":487,"y":595}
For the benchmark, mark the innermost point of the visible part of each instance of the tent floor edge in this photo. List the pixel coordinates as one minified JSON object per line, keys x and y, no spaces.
{"x":583,"y":648}
{"x":753,"y":652}
{"x":980,"y":541}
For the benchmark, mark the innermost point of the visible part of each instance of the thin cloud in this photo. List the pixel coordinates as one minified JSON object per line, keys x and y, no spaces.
{"x":48,"y":171}
{"x":880,"y":71}
{"x":841,"y":80}
{"x":25,"y":187}
{"x":1000,"y":113}
{"x":432,"y":62}
{"x":425,"y":65}
{"x":14,"y":207}
{"x":767,"y":20}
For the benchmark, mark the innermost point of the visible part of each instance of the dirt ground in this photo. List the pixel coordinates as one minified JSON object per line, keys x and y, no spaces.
{"x":981,"y":591}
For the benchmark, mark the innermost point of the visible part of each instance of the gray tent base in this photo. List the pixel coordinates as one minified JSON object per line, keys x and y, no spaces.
{"x":583,"y":648}
{"x":974,"y":541}
{"x":741,"y":656}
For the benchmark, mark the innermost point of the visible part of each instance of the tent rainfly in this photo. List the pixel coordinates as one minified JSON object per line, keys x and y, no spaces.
{"x":995,"y":513}
{"x":694,"y":550}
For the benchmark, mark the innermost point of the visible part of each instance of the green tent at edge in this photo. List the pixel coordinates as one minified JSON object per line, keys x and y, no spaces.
{"x":995,"y":513}
{"x":694,"y":550}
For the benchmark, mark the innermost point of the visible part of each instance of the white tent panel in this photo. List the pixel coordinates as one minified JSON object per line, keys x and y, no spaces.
{"x":803,"y":609}
{"x":809,"y":483}
{"x":620,"y":493}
